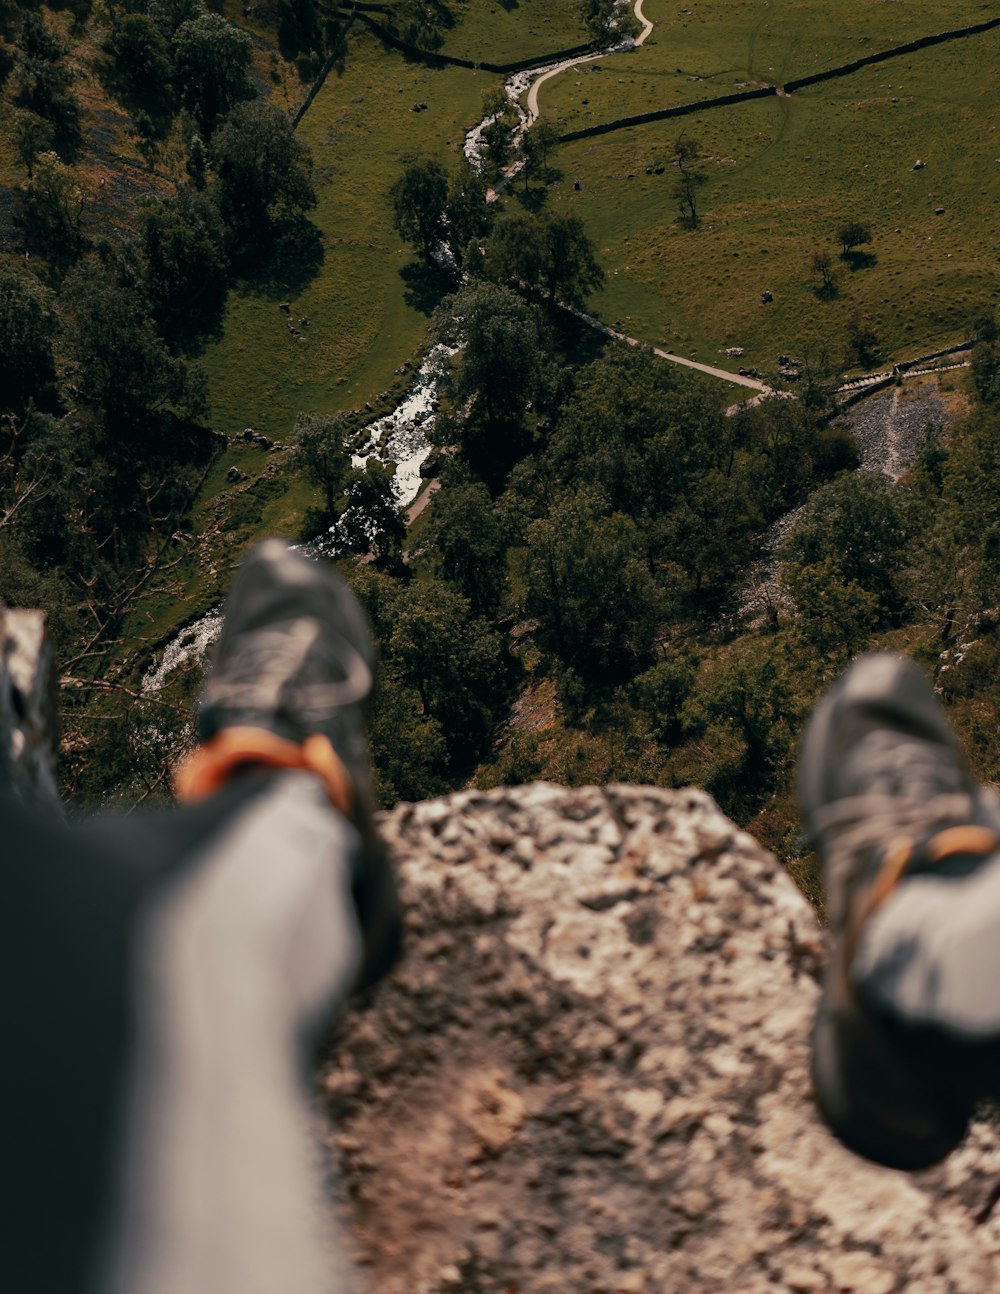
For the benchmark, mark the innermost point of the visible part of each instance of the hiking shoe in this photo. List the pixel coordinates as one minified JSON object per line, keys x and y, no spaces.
{"x":886,"y":795}
{"x":295,"y":660}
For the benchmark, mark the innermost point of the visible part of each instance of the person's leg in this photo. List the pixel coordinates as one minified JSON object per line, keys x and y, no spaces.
{"x":65,"y":1017}
{"x":241,"y":951}
{"x":189,"y":958}
{"x":907,"y":1033}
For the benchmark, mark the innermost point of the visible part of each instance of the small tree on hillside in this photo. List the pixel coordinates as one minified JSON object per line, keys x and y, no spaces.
{"x":32,"y":135}
{"x":862,"y":340}
{"x":212,"y":61}
{"x":373,"y":521}
{"x":822,"y":264}
{"x":419,"y":201}
{"x":851,"y":234}
{"x":264,"y":174}
{"x":468,"y":215}
{"x":536,"y":144}
{"x":320,"y":450}
{"x":689,"y":178}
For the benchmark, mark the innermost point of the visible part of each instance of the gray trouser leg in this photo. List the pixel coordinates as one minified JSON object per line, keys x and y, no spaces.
{"x":237,"y":955}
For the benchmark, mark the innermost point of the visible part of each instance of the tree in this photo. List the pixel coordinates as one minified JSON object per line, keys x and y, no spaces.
{"x":171,"y":15}
{"x":862,"y":339}
{"x":185,"y":277}
{"x":197,"y":161}
{"x":858,"y":522}
{"x":43,"y":82}
{"x":455,"y":662}
{"x":32,"y":135}
{"x":822,"y":263}
{"x":551,"y":252}
{"x":498,"y":364}
{"x":321,"y":450}
{"x":212,"y":66}
{"x":851,"y":234}
{"x":53,"y":216}
{"x":124,"y":367}
{"x":536,"y":144}
{"x":264,"y":174}
{"x":470,"y":543}
{"x":590,"y":587}
{"x":419,"y":22}
{"x":373,"y":521}
{"x":747,"y":695}
{"x":468,"y":215}
{"x":834,"y":617}
{"x":689,"y":179}
{"x":419,"y":203}
{"x":635,"y":430}
{"x":661,"y":694}
{"x":142,"y":67}
{"x":26,"y":327}
{"x":608,"y":20}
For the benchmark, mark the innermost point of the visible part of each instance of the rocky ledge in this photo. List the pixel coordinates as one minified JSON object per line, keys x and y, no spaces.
{"x":590,"y":1073}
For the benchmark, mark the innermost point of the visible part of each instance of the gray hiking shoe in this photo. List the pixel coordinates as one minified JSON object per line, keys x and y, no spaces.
{"x":295,"y":659}
{"x":885,"y":795}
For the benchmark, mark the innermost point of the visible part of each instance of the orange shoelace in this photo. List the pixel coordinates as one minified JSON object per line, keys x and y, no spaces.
{"x":210,"y":766}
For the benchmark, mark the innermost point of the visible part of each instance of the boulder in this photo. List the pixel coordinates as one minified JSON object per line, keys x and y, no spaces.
{"x":28,"y":710}
{"x":590,"y":1072}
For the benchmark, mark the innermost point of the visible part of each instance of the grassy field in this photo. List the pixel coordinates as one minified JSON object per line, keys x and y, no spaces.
{"x":716,"y":47}
{"x":509,"y":31}
{"x":783,"y":173}
{"x":364,"y":318}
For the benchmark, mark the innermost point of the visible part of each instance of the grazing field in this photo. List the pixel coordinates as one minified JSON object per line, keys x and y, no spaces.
{"x":364,"y":319}
{"x":715,"y":47}
{"x":782,"y":175}
{"x":508,"y":31}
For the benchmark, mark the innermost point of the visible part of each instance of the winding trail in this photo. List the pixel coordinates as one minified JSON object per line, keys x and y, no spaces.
{"x":536,"y":85}
{"x":723,"y":374}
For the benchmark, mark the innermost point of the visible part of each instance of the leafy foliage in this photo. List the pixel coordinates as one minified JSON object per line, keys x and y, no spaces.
{"x":419,"y":203}
{"x":264,"y":175}
{"x":212,"y":62}
{"x":186,"y":274}
{"x":321,"y":450}
{"x":26,"y":326}
{"x":550,"y":252}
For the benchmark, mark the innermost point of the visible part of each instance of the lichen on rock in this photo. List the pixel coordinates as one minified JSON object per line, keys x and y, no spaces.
{"x":590,"y":1072}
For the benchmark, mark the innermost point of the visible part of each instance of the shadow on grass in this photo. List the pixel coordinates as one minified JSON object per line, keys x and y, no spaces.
{"x":532,"y":200}
{"x":424,"y":286}
{"x":826,"y":291}
{"x":293,"y":259}
{"x":859,"y":260}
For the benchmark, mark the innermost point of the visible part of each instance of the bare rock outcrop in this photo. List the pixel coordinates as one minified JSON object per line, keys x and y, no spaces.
{"x":28,"y":723}
{"x":590,"y":1073}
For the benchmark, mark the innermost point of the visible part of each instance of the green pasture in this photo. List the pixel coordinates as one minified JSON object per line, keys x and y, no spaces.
{"x":507,"y":31}
{"x":364,"y":320}
{"x":716,"y":47}
{"x":783,"y":173}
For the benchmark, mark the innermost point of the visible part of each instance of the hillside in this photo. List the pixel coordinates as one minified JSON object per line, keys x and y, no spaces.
{"x":206,"y":364}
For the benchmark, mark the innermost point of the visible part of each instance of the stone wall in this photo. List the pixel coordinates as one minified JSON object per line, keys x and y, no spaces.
{"x":590,"y":1072}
